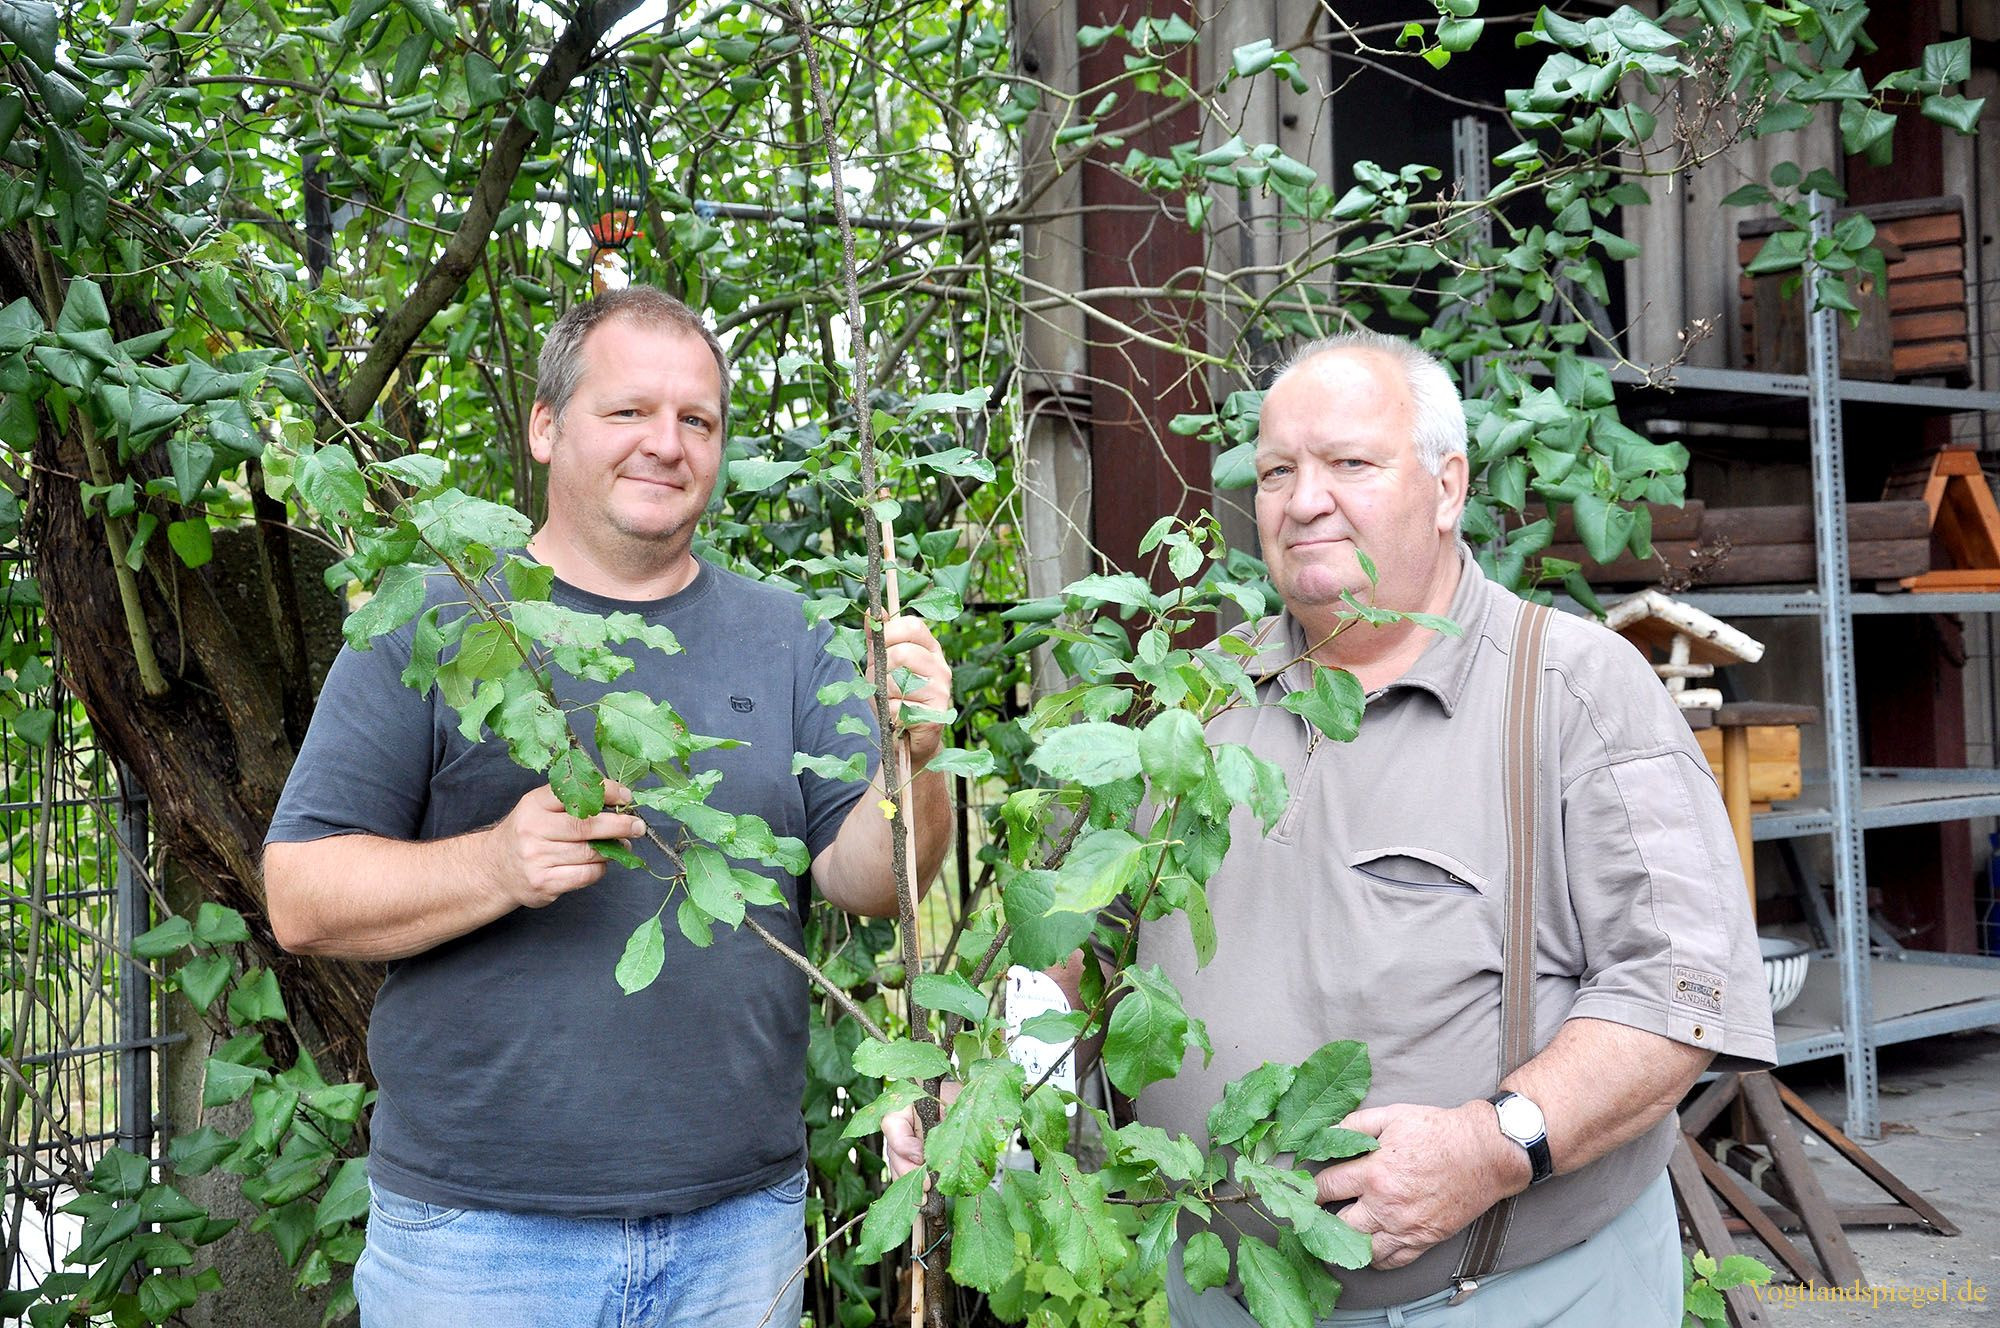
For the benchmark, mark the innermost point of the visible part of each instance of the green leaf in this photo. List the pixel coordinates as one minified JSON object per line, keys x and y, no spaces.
{"x":202,"y":979}
{"x":1292,"y":1197}
{"x":902,"y":1058}
{"x":613,"y":851}
{"x":1175,"y":1156}
{"x":1247,"y":1101}
{"x":398,"y":597}
{"x":966,"y":1146}
{"x":1205,"y":1262}
{"x":890,"y":1217}
{"x":200,"y":1151}
{"x":1148,"y":1032}
{"x":755,"y":474}
{"x":191,"y":540}
{"x":1082,"y":1234}
{"x":346,"y":1197}
{"x":711,"y":885}
{"x":645,"y":955}
{"x":1090,"y":754}
{"x":950,"y":992}
{"x":1272,"y":1290}
{"x":1960,"y":113}
{"x":1096,"y":870}
{"x":483,"y":83}
{"x":1173,"y":752}
{"x":256,"y":997}
{"x":218,"y":924}
{"x":173,"y":934}
{"x":1947,"y":62}
{"x":32,"y":25}
{"x":226,"y":1081}
{"x":332,"y":484}
{"x":896,"y":1095}
{"x":578,"y":782}
{"x":982,"y":1241}
{"x":433,"y":20}
{"x":1334,"y":704}
{"x":121,"y":1172}
{"x":1041,"y":938}
{"x":1330,"y":1083}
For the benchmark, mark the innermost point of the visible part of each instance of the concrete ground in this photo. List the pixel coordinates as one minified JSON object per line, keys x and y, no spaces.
{"x":1941,"y":1134}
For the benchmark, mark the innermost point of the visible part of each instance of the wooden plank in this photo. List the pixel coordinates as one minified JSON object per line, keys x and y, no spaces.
{"x":1724,"y":1182}
{"x":1697,"y":1204}
{"x":1946,"y":292}
{"x":1669,"y":523}
{"x":1752,"y":564}
{"x":1927,"y":263}
{"x":1863,"y":1160}
{"x":1954,"y":578}
{"x":1931,"y":357}
{"x":1916,"y":232}
{"x":1906,"y":519}
{"x":1822,"y":1225}
{"x":1931,"y":325}
{"x":1880,"y":213}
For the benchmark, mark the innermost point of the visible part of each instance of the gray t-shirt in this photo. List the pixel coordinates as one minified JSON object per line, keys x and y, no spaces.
{"x":514,"y":1073}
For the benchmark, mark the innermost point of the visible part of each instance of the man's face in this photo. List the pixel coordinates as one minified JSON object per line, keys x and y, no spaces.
{"x":636,"y":455}
{"x":1337,"y":473}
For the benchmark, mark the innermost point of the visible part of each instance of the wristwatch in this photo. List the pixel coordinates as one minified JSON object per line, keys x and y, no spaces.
{"x":1521,"y":1121}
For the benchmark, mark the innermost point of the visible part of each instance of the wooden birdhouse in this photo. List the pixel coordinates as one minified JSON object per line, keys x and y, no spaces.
{"x":1684,"y":643}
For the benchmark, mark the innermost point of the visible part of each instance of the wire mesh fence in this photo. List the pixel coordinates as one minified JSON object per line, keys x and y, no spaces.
{"x":77,"y":1016}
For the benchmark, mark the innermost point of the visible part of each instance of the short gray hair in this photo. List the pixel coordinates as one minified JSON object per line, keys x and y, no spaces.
{"x":1438,"y":426}
{"x":560,"y":367}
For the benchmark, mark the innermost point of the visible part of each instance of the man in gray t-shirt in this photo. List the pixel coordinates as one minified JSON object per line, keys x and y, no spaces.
{"x":547,"y":1149}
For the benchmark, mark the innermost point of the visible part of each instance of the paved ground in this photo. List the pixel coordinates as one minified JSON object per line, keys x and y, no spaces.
{"x":1941,"y":1134}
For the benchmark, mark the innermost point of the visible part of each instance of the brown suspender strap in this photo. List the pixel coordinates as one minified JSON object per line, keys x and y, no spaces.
{"x":1520,"y":766}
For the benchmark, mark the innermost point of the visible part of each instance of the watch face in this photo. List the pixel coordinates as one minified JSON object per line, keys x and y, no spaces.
{"x":1520,"y":1119}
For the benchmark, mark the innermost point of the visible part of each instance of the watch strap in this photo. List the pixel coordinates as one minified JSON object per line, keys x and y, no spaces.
{"x":1541,"y":1163}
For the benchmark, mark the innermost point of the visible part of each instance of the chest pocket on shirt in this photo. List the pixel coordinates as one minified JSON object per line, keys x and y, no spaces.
{"x":1406,"y":867}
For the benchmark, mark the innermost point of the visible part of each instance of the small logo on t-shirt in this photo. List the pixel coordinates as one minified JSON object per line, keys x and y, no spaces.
{"x":1701,"y":990}
{"x":742,"y":705}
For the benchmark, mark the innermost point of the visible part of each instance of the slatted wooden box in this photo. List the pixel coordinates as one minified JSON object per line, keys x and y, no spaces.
{"x":1926,"y":333}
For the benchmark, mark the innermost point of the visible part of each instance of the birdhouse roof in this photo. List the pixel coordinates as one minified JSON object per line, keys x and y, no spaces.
{"x":1651,"y":621}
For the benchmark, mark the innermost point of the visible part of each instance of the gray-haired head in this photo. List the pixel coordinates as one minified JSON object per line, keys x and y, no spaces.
{"x":560,"y":367}
{"x":1437,"y":425}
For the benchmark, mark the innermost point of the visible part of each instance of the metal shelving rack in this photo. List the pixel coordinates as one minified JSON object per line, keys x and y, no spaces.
{"x":1886,"y":993}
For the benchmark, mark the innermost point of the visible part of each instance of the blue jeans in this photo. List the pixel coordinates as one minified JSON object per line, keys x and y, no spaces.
{"x":737,"y":1263}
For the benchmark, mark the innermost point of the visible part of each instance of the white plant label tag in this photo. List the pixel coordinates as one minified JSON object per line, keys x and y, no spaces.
{"x":1030,"y":993}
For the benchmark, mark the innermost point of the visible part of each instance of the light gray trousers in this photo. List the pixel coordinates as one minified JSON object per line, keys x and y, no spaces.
{"x":1628,"y":1274}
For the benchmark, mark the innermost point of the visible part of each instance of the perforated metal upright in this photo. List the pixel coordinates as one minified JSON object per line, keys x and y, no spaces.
{"x":1842,"y":721}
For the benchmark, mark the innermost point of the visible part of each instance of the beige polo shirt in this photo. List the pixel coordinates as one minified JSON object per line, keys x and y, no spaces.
{"x":1374,"y":909}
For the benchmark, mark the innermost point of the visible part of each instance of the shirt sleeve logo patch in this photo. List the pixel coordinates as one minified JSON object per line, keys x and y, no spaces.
{"x":1698,"y":989}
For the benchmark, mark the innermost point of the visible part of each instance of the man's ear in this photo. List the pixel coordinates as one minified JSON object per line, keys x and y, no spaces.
{"x":542,"y":432}
{"x":1453,"y":477}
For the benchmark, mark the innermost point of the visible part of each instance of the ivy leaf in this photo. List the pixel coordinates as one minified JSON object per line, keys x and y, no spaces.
{"x":1334,"y":704}
{"x":645,"y":955}
{"x":1961,"y":113}
{"x":225,"y":1081}
{"x":902,"y":1058}
{"x":174,"y":934}
{"x":1147,"y":1035}
{"x":346,"y":1197}
{"x":256,"y":997}
{"x":219,"y":924}
{"x":890,"y":1218}
{"x":969,"y":1139}
{"x":202,"y":979}
{"x":1330,"y":1084}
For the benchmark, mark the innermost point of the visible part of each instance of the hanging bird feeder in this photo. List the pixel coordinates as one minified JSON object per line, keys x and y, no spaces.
{"x":609,"y":173}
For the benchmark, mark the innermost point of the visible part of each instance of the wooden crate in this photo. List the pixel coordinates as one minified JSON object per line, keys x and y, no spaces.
{"x":1774,"y":760}
{"x":1926,"y":321}
{"x":1735,"y":546}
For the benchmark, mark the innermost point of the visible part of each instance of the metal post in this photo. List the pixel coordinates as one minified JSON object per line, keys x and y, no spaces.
{"x":135,"y":989}
{"x":1472,"y":170}
{"x":1836,"y":649}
